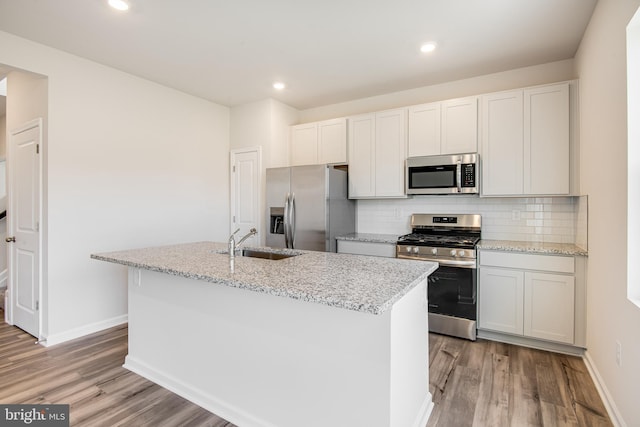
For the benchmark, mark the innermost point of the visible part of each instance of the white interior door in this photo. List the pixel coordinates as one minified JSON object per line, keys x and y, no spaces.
{"x":246,"y":186}
{"x":24,"y":217}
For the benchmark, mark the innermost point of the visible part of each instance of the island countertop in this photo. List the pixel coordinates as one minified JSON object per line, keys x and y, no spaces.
{"x":353,"y":282}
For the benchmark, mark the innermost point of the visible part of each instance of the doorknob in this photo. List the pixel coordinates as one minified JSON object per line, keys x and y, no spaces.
{"x":10,"y":239}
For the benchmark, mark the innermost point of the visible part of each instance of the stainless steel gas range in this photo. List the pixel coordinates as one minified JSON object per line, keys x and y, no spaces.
{"x":451,"y":241}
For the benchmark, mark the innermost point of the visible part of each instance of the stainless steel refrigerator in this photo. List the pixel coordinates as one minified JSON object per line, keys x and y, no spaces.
{"x":307,"y":207}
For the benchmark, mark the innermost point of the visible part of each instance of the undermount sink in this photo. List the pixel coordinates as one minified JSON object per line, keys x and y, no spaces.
{"x":262,"y":254}
{"x":252,"y":253}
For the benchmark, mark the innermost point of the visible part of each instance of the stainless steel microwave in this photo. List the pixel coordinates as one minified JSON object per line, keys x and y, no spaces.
{"x":448,"y":174}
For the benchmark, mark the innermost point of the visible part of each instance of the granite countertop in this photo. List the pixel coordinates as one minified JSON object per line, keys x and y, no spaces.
{"x":532,"y":247}
{"x":370,"y":237}
{"x":353,"y":282}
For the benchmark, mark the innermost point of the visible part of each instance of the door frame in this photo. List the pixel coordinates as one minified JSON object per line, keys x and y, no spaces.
{"x":233,"y":190}
{"x":38,"y":122}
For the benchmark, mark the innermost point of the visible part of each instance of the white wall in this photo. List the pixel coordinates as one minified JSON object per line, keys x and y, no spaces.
{"x":601,"y":67}
{"x":130,"y":164}
{"x":521,"y":77}
{"x":264,"y":123}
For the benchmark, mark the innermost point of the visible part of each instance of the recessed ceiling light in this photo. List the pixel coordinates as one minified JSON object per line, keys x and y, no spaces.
{"x":278,"y":85}
{"x":119,"y":4}
{"x":428,"y":47}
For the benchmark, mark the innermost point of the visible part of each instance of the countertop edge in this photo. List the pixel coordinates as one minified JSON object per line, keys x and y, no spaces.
{"x":532,"y":247}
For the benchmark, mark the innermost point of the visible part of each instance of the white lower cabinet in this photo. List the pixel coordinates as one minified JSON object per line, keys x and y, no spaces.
{"x":532,"y":296}
{"x":500,"y":300}
{"x":549,"y":306}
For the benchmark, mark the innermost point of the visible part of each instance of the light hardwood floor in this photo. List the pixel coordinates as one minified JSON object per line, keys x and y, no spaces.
{"x":473,"y":384}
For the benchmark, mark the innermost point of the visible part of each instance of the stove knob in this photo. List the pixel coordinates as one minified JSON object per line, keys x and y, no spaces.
{"x":460,"y":253}
{"x":453,"y":252}
{"x":434,"y":251}
{"x":416,"y":250}
{"x":408,"y":249}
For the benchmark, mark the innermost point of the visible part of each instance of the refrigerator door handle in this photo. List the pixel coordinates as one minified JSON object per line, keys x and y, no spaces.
{"x":292,"y":220}
{"x":287,"y":223}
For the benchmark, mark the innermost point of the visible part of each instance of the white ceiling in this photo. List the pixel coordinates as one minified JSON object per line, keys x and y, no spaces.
{"x":326,"y":51}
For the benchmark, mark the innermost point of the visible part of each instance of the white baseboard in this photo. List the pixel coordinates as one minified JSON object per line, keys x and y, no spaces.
{"x":608,"y":401}
{"x":211,"y":403}
{"x":83,"y":330}
{"x":4,"y":275}
{"x":425,"y":412}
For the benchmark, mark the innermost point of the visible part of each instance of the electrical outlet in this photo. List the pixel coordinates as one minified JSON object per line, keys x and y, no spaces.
{"x":618,"y":353}
{"x":515,"y":215}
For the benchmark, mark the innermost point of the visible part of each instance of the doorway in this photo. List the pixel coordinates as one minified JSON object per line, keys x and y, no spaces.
{"x":246,"y":185}
{"x":23,"y":227}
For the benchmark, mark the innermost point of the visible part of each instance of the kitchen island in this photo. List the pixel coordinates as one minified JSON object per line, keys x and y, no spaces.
{"x":314,"y":339}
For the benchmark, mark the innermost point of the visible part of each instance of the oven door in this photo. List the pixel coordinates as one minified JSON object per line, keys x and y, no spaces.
{"x":452,"y":292}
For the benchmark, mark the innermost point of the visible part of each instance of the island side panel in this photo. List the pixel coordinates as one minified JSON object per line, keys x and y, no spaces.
{"x":409,"y":368}
{"x":261,"y":360}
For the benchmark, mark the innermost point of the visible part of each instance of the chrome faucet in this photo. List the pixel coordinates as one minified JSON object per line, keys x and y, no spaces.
{"x":233,"y":246}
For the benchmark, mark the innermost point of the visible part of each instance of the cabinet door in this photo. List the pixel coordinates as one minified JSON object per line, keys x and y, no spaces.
{"x":391,"y":153}
{"x":424,"y":130}
{"x":304,"y":144}
{"x":549,"y":307}
{"x":546,"y":140}
{"x":332,"y":141}
{"x":361,"y":156}
{"x":459,"y":126}
{"x":502,"y":147}
{"x":500,"y":300}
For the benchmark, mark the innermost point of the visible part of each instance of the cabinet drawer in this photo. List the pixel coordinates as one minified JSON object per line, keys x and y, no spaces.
{"x":554,"y":263}
{"x":367,"y":248}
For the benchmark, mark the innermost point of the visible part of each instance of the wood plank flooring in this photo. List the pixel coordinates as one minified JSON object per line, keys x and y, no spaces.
{"x":486,"y":383}
{"x":473,"y":384}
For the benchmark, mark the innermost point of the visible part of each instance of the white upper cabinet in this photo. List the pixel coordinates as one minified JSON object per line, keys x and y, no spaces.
{"x":546,"y":140}
{"x":424,"y":130}
{"x":332,"y":141}
{"x":377,"y":153}
{"x":304,"y":144}
{"x":502,"y":151}
{"x":319,"y":142}
{"x":526,"y":142}
{"x":460,"y":126}
{"x":362,"y":156}
{"x":448,"y":127}
{"x":391,"y":152}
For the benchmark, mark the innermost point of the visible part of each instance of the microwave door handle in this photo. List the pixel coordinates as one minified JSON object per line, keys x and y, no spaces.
{"x":459,"y":176}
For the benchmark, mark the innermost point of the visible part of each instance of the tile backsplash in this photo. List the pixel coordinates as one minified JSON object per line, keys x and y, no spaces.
{"x":539,"y":219}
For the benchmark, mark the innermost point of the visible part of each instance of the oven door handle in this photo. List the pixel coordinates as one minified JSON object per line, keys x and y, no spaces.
{"x":443,"y":262}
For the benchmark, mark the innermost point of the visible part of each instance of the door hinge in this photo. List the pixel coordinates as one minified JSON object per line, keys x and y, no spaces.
{"x":37,"y":226}
{"x":37,"y":148}
{"x":234,"y":219}
{"x":234,"y":169}
{"x":37,"y":305}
